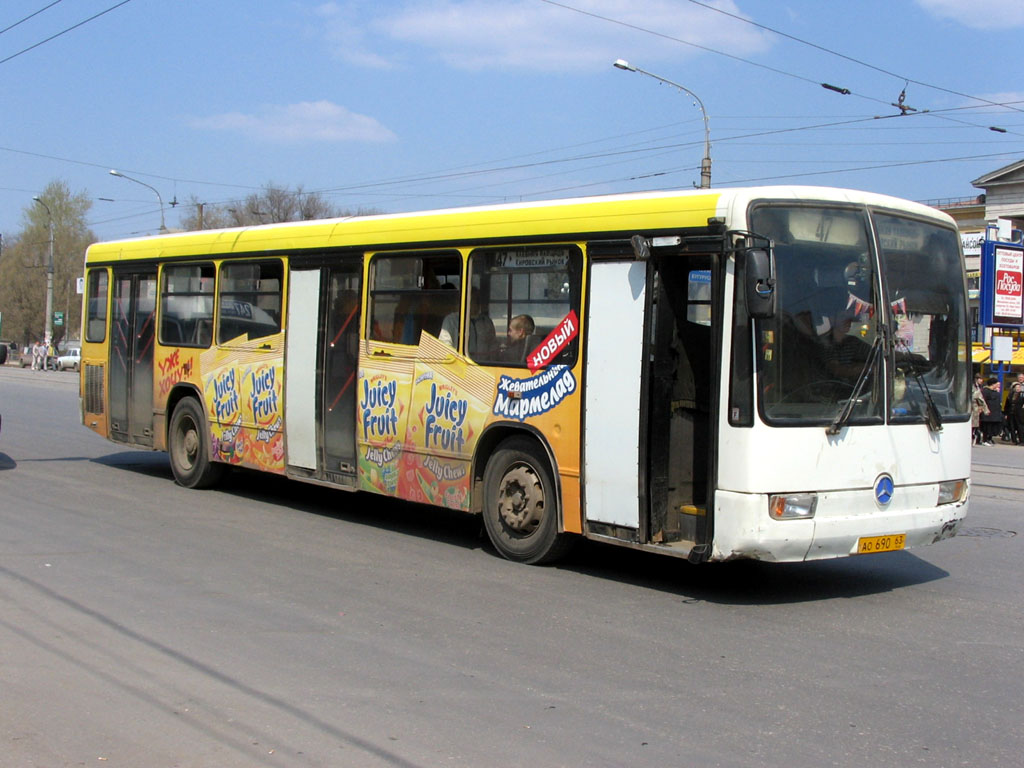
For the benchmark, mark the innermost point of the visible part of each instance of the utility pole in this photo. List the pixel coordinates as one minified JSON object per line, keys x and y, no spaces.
{"x":49,"y":277}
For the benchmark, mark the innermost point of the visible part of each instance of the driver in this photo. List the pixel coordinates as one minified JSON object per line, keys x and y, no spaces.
{"x":844,"y":350}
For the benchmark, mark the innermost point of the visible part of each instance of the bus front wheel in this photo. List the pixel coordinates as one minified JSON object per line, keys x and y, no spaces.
{"x":188,"y":444}
{"x":520,"y":508}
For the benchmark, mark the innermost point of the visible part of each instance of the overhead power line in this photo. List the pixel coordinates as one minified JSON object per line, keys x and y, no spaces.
{"x":36,"y":13}
{"x":852,"y":59}
{"x":845,"y":91}
{"x":64,"y":31}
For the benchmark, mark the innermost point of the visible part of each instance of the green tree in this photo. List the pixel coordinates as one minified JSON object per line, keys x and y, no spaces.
{"x":25,"y":260}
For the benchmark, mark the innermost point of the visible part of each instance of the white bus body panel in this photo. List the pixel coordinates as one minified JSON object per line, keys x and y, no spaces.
{"x":300,"y":363}
{"x":615,"y":326}
{"x":842,"y":470}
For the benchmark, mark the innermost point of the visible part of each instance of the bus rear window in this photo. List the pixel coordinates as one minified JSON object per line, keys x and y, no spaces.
{"x":96,"y":301}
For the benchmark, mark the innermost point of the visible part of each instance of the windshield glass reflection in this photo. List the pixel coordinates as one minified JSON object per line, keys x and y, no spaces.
{"x":813,"y":352}
{"x":924,"y":283}
{"x":825,"y":358}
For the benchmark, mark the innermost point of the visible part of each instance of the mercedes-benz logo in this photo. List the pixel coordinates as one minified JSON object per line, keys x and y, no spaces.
{"x":884,"y":489}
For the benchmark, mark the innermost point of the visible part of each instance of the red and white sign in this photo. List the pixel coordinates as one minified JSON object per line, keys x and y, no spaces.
{"x":556,"y":341}
{"x":1008,"y":304}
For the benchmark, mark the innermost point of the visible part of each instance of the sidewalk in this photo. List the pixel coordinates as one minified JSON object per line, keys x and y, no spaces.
{"x":998,"y":466}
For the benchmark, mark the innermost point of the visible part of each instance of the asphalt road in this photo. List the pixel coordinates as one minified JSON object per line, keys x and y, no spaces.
{"x":270,"y":623}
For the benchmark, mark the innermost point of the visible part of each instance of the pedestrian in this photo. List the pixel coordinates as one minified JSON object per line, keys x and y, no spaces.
{"x":38,"y":352}
{"x":1016,"y":410}
{"x":1013,"y":396}
{"x":978,"y":409}
{"x":992,"y":422}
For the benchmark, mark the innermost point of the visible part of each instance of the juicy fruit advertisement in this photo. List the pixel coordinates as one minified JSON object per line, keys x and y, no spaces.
{"x":451,"y":403}
{"x":382,"y":407}
{"x":242,"y":387}
{"x":421,"y":412}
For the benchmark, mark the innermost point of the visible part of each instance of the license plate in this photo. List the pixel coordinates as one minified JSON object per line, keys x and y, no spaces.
{"x":889,"y":543}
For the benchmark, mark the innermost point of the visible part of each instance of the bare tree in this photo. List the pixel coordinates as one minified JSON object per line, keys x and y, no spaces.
{"x":271,"y":205}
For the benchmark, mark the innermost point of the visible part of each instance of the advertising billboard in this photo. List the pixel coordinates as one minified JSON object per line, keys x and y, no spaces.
{"x":1002,"y":284}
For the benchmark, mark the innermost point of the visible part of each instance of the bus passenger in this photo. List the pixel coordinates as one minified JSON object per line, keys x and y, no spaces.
{"x":520,"y":328}
{"x":481,"y":340}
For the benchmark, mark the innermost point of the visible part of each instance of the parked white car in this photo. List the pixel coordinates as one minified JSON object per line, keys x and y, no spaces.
{"x":71,"y":358}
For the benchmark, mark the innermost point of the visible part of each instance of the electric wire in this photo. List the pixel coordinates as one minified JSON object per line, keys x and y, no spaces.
{"x":64,"y":31}
{"x":817,"y":83}
{"x":31,"y":15}
{"x":852,"y":59}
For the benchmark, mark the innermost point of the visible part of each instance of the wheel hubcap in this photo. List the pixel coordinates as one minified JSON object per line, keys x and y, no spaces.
{"x":189,"y":444}
{"x":521,"y":500}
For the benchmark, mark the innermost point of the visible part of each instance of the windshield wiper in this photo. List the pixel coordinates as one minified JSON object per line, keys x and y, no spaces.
{"x":931,"y":411}
{"x":874,"y":353}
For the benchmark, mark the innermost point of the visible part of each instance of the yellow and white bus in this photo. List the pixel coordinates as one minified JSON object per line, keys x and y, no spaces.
{"x":777,"y":373}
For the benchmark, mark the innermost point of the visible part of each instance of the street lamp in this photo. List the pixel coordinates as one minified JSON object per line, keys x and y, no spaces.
{"x":49,"y":277}
{"x":705,"y":164}
{"x":163,"y":228}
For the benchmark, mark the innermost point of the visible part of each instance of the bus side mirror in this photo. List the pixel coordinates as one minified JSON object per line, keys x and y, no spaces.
{"x":760,"y":278}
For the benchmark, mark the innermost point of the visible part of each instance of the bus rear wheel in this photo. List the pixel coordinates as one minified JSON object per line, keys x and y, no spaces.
{"x":188,"y":444}
{"x":520,"y":507}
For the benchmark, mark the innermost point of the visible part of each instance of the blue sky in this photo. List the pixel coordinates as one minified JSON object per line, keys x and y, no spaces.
{"x":403,"y":106}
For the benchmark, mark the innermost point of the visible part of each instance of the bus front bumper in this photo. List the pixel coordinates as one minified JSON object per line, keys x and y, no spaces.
{"x":844,"y":523}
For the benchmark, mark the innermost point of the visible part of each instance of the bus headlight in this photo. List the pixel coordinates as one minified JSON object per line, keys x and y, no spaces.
{"x":952,"y":491}
{"x":792,"y":506}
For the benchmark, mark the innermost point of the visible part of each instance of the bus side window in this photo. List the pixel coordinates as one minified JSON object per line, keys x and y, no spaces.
{"x":518,"y":295}
{"x":250,"y":300}
{"x":186,"y":305}
{"x":412,"y":293}
{"x":96,"y":301}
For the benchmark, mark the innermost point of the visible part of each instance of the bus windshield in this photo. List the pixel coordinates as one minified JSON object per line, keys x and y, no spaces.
{"x":925,"y":292}
{"x":833,"y":348}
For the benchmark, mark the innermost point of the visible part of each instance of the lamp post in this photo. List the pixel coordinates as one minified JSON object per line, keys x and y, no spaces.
{"x":49,"y":277}
{"x":113,"y":172}
{"x":705,"y":163}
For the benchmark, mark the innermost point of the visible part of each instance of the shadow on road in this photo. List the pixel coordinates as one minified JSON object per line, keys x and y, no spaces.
{"x":152,"y":463}
{"x":750,"y":582}
{"x":744,"y":582}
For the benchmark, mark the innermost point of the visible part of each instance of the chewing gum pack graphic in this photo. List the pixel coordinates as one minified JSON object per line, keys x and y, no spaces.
{"x":243,"y":391}
{"x":382,"y":407}
{"x":451,"y":403}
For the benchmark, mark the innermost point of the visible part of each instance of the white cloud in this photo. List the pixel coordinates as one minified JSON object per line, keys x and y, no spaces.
{"x":529,"y":34}
{"x":1013,"y":99}
{"x":344,"y":27}
{"x":299,"y":123}
{"x":979,"y":14}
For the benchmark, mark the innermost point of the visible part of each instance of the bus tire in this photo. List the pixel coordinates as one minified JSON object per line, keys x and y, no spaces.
{"x":188,"y":444}
{"x":520,"y":506}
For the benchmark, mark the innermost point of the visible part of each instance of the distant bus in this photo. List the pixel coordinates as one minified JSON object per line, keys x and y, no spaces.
{"x":776,"y":373}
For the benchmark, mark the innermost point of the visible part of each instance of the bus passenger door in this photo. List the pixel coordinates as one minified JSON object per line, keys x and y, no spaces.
{"x":680,"y":421}
{"x":131,"y":357}
{"x":300,"y":365}
{"x":321,"y":365}
{"x":341,"y":364}
{"x":614,"y":373}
